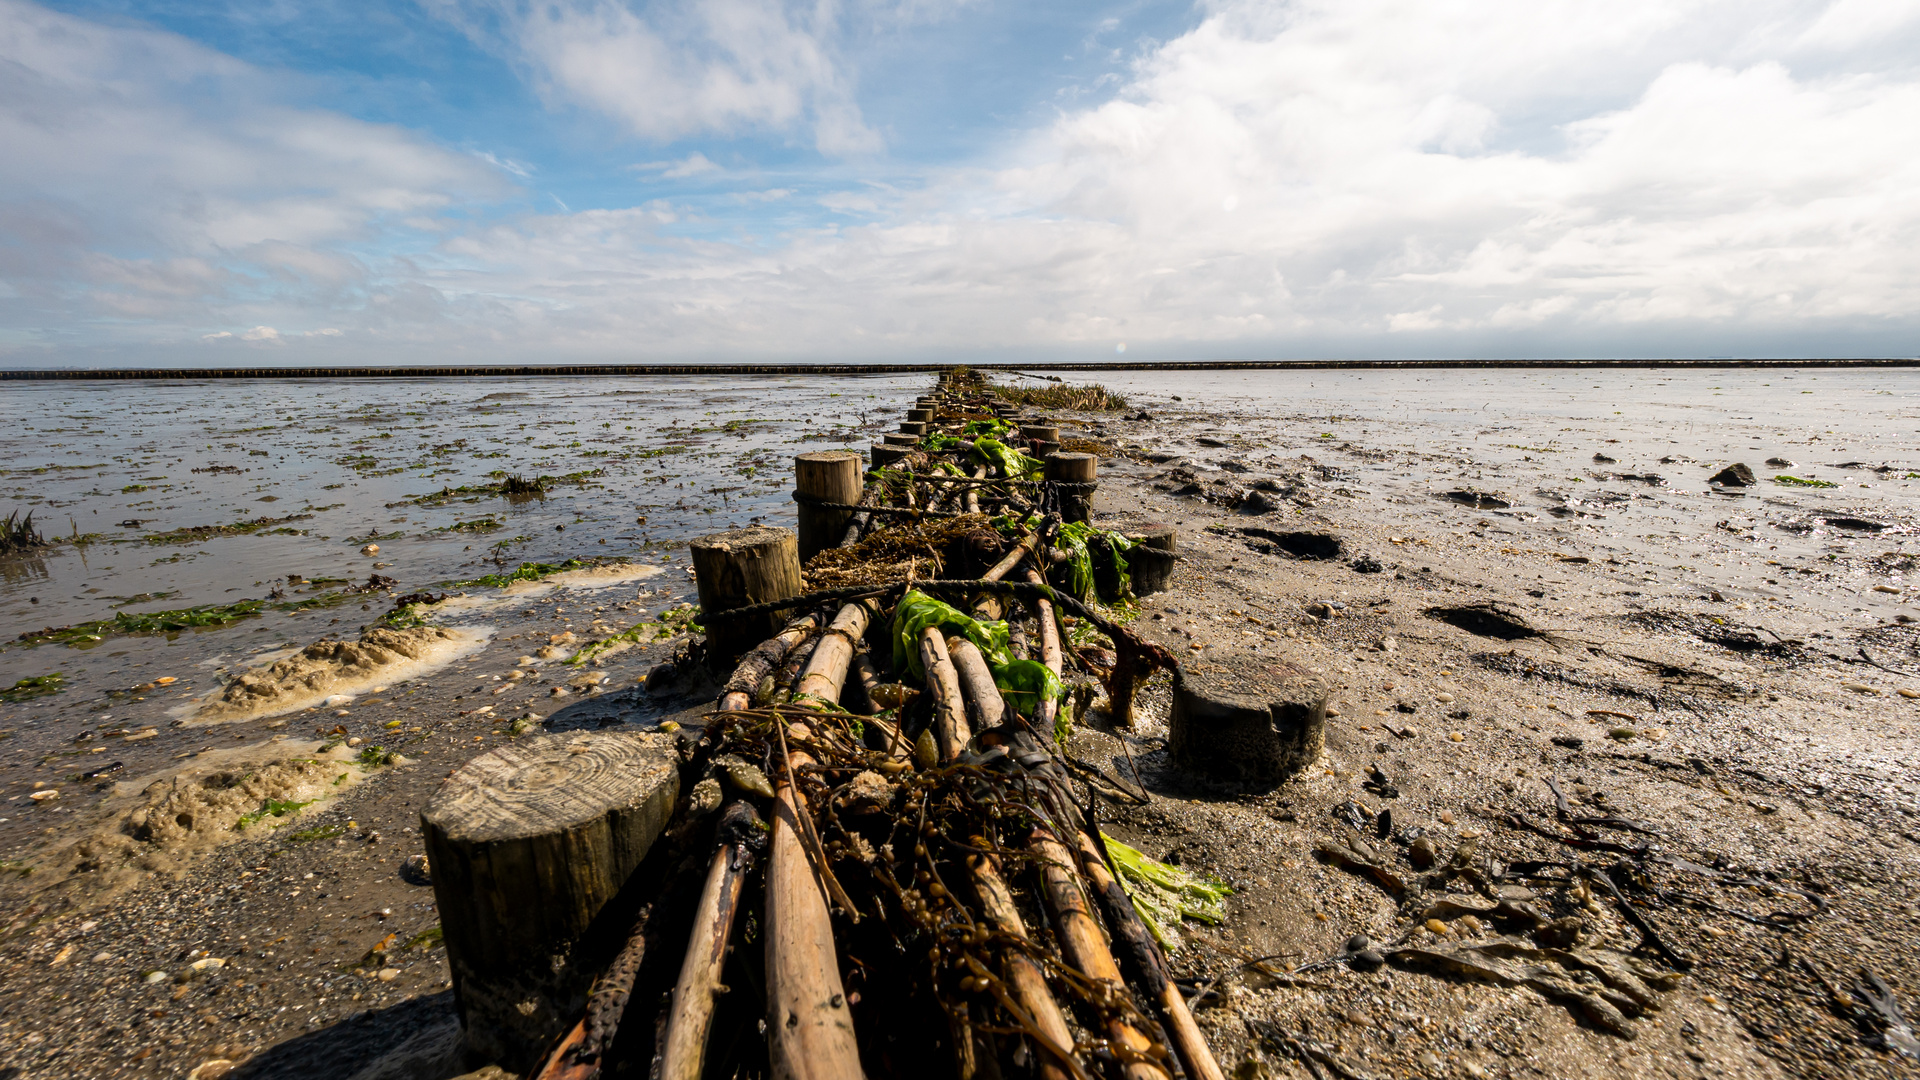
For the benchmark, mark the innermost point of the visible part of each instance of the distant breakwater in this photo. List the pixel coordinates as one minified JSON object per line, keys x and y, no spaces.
{"x":640,"y":370}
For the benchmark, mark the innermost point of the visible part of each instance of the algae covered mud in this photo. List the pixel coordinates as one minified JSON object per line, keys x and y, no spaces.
{"x":223,"y":720}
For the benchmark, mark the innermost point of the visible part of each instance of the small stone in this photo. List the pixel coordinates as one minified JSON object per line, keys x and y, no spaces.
{"x":211,"y":963}
{"x":355,"y":741}
{"x":705,"y":798}
{"x":1733,"y":476}
{"x":389,"y":974}
{"x":1359,"y":943}
{"x":1908,"y":694}
{"x":1443,"y":698}
{"x":1421,"y":853}
{"x":1436,"y":927}
{"x":212,"y":1069}
{"x":334,"y":701}
{"x":1622,"y":733}
{"x":1455,"y":736}
{"x":1368,"y":959}
{"x":417,"y":870}
{"x":102,"y":957}
{"x":44,"y":795}
{"x":154,"y":977}
{"x":370,"y":549}
{"x":1446,"y":817}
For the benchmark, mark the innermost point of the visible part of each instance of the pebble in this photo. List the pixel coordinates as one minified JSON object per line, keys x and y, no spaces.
{"x":211,"y":963}
{"x":1421,"y":854}
{"x":337,"y":700}
{"x":102,"y":957}
{"x":156,"y":977}
{"x":1443,"y":698}
{"x":1456,"y":736}
{"x":1446,"y":817}
{"x":370,"y":549}
{"x":43,"y":796}
{"x":1359,"y":943}
{"x":389,"y":974}
{"x":1886,"y":589}
{"x":1906,"y":693}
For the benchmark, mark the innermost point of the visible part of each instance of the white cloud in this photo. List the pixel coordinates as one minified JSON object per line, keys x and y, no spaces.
{"x":671,"y":70}
{"x":150,"y":186}
{"x":1367,"y":177}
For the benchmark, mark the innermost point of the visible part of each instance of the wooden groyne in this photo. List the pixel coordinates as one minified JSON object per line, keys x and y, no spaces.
{"x":878,"y":860}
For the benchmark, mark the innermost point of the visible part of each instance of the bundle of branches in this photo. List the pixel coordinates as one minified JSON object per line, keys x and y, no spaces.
{"x":1091,"y":397}
{"x":886,"y":556}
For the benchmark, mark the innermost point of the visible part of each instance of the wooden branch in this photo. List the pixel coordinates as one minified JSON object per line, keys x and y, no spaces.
{"x":1085,"y":945}
{"x":950,"y":728}
{"x":756,"y":665}
{"x":863,"y":681}
{"x":988,"y":605}
{"x":1029,"y":983}
{"x":685,"y":1045}
{"x":809,"y":1026}
{"x":826,"y":671}
{"x":973,"y":493}
{"x":1050,"y":655}
{"x":1154,"y":975}
{"x":984,"y":705}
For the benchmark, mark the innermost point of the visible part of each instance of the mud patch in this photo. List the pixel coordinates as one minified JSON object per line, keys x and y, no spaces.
{"x":1298,"y":545}
{"x":1485,"y":620}
{"x":325,"y":668}
{"x":592,"y":577}
{"x":1714,"y":630}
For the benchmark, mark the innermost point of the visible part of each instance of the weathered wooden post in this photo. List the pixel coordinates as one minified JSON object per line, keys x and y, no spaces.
{"x":831,"y":476}
{"x":913,"y":427}
{"x":755,"y":565}
{"x":922,"y":415}
{"x":1075,"y":505}
{"x":1152,"y":560}
{"x":1255,"y":728}
{"x":884,"y":455}
{"x":527,"y":844}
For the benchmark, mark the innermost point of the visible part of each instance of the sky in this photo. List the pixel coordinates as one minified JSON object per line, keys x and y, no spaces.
{"x":587,"y":181}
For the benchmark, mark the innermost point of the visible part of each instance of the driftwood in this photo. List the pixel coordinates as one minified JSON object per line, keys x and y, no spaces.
{"x":809,"y":1027}
{"x":984,"y":706}
{"x":758,"y":664}
{"x":1085,"y":945}
{"x":950,"y":730}
{"x":826,"y":671}
{"x":684,"y":1049}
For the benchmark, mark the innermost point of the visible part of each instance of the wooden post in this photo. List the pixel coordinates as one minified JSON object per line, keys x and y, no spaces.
{"x":1259,"y":729}
{"x":756,"y":565}
{"x":1074,"y":469}
{"x":528,"y":842}
{"x":1051,"y":654}
{"x":923,"y":415}
{"x":1045,"y":432}
{"x":895,"y":438}
{"x":1152,"y":560}
{"x":886,"y":455}
{"x":909,"y":427}
{"x":832,"y":475}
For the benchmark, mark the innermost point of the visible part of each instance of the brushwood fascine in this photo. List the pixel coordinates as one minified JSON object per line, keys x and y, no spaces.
{"x":869,"y":856}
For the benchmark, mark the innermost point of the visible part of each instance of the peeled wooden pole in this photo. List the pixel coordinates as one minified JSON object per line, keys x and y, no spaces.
{"x":1028,"y":982}
{"x":1084,"y":943}
{"x":987,"y":605}
{"x":685,"y":1047}
{"x":1192,"y":1047}
{"x":826,"y":671}
{"x":758,"y":664}
{"x":864,"y":680}
{"x":1050,"y":654}
{"x":950,"y":729}
{"x":985,"y":707}
{"x":973,"y":493}
{"x":809,"y":1027}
